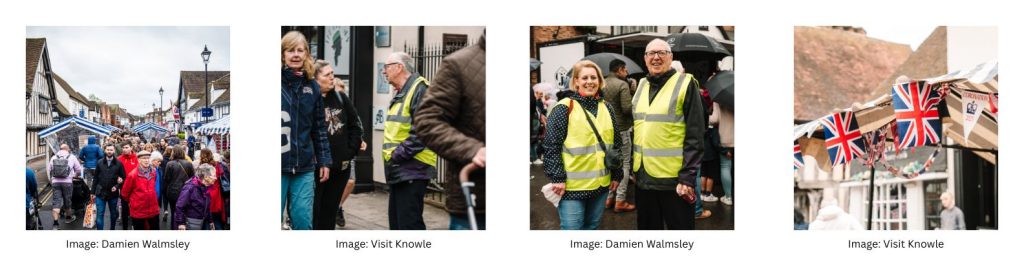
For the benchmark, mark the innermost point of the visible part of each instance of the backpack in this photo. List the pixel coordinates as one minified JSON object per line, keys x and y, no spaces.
{"x":60,"y":167}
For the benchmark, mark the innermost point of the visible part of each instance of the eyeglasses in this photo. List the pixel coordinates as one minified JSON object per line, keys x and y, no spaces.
{"x":658,"y":54}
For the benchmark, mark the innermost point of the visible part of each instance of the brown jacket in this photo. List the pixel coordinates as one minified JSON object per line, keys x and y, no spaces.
{"x":616,"y":92}
{"x":451,"y":121}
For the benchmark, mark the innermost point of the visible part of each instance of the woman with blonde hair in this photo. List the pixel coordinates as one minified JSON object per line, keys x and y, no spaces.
{"x":583,"y":142}
{"x":304,"y":145}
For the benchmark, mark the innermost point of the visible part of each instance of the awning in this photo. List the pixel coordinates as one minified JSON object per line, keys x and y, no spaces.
{"x":220,"y":126}
{"x":878,"y":112}
{"x":148,"y":126}
{"x":111,"y":128}
{"x":75,"y":121}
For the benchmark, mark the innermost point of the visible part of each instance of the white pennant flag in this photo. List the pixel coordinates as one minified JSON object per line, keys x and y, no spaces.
{"x":972,"y":108}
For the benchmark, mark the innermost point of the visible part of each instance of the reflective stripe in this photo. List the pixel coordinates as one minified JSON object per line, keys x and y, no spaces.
{"x":658,"y":152}
{"x":672,"y":102}
{"x":663,"y":152}
{"x":585,"y":174}
{"x":586,"y":150}
{"x":399,"y":119}
{"x":390,"y":145}
{"x":663,"y":118}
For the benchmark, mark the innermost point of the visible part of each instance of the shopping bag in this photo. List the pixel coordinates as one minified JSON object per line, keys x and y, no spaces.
{"x":90,"y":215}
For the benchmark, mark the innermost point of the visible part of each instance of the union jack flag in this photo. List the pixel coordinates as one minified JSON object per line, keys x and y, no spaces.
{"x":917,"y":115}
{"x":842,"y":137}
{"x":798,"y":158}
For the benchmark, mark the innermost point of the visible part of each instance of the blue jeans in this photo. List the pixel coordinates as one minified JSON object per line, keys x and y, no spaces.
{"x":726,"y":174}
{"x":101,"y":208}
{"x":297,"y":191}
{"x":581,"y":214}
{"x":698,"y":205}
{"x":460,"y":222}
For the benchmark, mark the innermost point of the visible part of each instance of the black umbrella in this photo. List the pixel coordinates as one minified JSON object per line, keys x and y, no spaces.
{"x":696,"y":42}
{"x":604,"y":59}
{"x":721,"y":89}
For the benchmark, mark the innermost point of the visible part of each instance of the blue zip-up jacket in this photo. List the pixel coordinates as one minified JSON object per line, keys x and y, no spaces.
{"x":91,"y":153}
{"x":304,"y":145}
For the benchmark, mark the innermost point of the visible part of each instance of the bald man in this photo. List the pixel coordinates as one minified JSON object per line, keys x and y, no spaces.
{"x":668,"y":132}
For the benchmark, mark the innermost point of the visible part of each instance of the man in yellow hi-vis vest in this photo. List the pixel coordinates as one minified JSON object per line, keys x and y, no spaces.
{"x":408,"y":163}
{"x":668,"y":132}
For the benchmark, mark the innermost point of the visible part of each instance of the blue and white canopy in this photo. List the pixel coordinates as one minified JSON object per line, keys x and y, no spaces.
{"x":149,"y":126}
{"x":221,"y":126}
{"x":111,"y":128}
{"x":75,"y":121}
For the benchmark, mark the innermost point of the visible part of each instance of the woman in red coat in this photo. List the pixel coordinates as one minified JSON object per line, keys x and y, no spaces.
{"x":216,"y":201}
{"x":140,"y":191}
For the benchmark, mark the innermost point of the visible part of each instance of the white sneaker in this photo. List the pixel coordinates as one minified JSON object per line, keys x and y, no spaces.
{"x":537,"y":162}
{"x":727,"y":200}
{"x":711,"y":198}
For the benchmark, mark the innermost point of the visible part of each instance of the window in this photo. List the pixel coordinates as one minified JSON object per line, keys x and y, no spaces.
{"x":932,"y":204}
{"x":44,"y":105}
{"x":890,"y":207}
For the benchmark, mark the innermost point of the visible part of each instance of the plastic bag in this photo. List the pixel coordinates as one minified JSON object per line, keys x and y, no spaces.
{"x":90,"y":215}
{"x":550,"y":195}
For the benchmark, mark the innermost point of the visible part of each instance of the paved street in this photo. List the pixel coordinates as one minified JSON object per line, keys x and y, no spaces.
{"x":368,"y":211}
{"x":544,"y":216}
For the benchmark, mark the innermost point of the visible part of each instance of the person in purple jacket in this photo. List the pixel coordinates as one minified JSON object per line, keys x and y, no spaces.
{"x":192,"y":210}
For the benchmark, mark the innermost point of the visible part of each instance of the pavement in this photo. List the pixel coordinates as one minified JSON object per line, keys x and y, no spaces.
{"x":368,"y":211}
{"x":544,"y":216}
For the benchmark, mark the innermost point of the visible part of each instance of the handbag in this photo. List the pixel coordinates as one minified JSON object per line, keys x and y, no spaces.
{"x":225,"y":181}
{"x":193,"y":224}
{"x":611,"y":157}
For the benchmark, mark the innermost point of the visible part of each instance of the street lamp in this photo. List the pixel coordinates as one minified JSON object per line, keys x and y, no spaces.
{"x":161,"y":103}
{"x":206,"y":72}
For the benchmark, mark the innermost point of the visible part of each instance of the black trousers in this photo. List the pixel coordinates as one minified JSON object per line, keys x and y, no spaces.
{"x":126,"y":220}
{"x":660,"y":210}
{"x":152,"y":223}
{"x":327,"y":196}
{"x":405,"y":205}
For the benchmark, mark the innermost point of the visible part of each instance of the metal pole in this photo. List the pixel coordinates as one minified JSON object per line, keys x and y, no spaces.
{"x":871,"y":198}
{"x":206,"y":73}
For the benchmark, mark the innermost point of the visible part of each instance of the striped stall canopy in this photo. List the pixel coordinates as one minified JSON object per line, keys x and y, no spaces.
{"x":148,"y":126}
{"x":221,"y":126}
{"x":111,"y":128}
{"x":75,"y":121}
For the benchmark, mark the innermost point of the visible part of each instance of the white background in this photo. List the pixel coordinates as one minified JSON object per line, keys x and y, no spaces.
{"x":764,"y":118}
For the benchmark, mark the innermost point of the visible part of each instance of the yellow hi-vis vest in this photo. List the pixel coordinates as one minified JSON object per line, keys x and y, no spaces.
{"x":398,"y":124}
{"x":582,"y":157}
{"x":659,"y":127}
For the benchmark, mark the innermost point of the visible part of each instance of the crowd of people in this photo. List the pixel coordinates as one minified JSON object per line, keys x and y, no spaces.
{"x":137,"y":184}
{"x":664,"y":133}
{"x":322,"y":134}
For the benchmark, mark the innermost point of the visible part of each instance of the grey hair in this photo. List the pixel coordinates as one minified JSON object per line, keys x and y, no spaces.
{"x":406,"y":60}
{"x":319,"y":64}
{"x":204,"y":170}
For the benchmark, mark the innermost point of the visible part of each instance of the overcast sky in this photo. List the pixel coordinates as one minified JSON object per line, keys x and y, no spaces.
{"x":128,"y":65}
{"x":909,"y":35}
